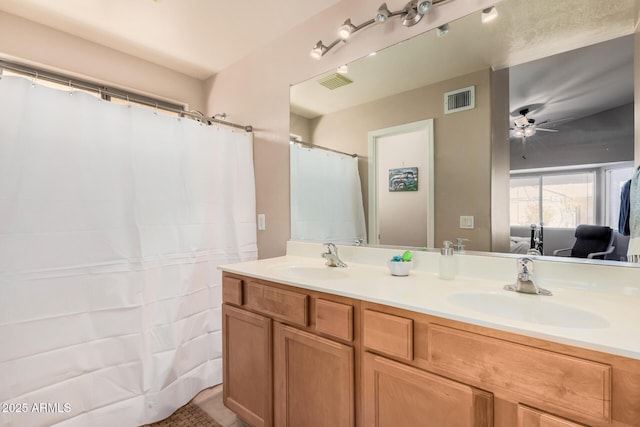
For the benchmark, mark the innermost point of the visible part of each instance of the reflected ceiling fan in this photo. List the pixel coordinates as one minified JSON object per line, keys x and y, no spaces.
{"x":525,"y":127}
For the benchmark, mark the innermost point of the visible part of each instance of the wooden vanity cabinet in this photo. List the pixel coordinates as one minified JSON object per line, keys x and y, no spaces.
{"x":288,"y":355}
{"x":294,"y":357}
{"x":247,"y":365}
{"x":533,"y":382}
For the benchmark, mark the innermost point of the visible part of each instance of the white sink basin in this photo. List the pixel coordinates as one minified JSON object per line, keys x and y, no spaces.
{"x":529,"y":308}
{"x":312,"y":272}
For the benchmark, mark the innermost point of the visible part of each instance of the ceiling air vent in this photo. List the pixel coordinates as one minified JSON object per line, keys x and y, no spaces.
{"x":460,"y":100}
{"x":334,"y":81}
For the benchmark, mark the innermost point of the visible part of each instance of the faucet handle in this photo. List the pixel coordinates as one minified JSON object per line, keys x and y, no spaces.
{"x":459,"y":246}
{"x":331,"y":247}
{"x":525,"y":266}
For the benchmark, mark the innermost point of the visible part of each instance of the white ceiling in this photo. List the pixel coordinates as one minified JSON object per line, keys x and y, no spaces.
{"x":196,"y":37}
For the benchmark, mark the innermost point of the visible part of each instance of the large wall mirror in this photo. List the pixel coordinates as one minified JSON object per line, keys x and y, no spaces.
{"x":547,"y":140}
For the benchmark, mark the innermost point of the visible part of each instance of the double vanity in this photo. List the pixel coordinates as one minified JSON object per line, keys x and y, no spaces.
{"x":310,"y":345}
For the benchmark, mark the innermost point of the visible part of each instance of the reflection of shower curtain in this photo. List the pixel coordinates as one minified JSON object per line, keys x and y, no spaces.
{"x":326,"y":197}
{"x":112,"y":223}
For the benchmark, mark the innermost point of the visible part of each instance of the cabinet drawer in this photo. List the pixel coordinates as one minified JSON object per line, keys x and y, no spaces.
{"x":334,"y":319}
{"x":288,"y":306}
{"x":388,"y":334}
{"x":550,"y":380}
{"x":529,"y":417}
{"x":231,"y":290}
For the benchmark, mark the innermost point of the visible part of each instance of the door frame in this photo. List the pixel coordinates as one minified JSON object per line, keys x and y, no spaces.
{"x":372,"y":228}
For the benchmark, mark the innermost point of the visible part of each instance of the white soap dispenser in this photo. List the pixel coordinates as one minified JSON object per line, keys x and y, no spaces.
{"x":447,"y":261}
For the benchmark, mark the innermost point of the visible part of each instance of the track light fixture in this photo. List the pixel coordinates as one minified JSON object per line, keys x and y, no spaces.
{"x":410,"y":14}
{"x":489,"y":14}
{"x":443,"y":30}
{"x":423,"y":6}
{"x":318,"y":50}
{"x":382,"y":14}
{"x":346,"y":29}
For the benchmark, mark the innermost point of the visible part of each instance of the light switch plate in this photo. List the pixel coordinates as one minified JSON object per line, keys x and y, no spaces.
{"x":466,"y":222}
{"x":262,"y":222}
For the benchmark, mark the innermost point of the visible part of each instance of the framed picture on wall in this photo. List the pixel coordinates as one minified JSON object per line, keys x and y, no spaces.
{"x":403,"y":179}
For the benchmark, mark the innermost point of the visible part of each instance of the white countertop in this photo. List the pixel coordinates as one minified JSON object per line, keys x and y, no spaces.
{"x":615,"y":311}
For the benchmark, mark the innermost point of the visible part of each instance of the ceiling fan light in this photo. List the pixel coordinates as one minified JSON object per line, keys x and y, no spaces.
{"x":518,"y":133}
{"x":521,"y":121}
{"x":489,"y":14}
{"x":529,"y":131}
{"x":423,"y":6}
{"x":344,"y":32}
{"x":382,"y":14}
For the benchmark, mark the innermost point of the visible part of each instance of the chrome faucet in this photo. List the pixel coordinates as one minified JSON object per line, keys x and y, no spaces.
{"x":332,"y":256}
{"x":524,"y":282}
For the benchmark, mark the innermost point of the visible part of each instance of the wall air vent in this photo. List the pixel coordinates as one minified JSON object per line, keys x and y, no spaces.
{"x":334,"y":81}
{"x":460,"y":100}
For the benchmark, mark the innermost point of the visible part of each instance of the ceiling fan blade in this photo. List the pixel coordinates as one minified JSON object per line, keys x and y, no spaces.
{"x":555,"y":122}
{"x":545,"y":130}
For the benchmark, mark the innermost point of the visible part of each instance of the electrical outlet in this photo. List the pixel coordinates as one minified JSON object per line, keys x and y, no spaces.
{"x":466,"y":222}
{"x":262,"y":222}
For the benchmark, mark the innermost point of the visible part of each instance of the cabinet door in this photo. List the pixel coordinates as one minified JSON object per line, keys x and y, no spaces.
{"x":398,"y":395}
{"x":246,"y":362}
{"x":314,"y":380}
{"x":529,"y":417}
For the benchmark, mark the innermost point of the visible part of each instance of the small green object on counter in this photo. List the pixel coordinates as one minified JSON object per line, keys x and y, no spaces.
{"x":406,"y":256}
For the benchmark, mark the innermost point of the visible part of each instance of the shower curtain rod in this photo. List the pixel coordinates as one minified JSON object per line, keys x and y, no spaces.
{"x":106,"y":93}
{"x":310,"y":145}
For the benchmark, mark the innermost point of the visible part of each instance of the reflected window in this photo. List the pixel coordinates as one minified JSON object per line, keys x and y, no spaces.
{"x":567,"y":199}
{"x":555,"y":200}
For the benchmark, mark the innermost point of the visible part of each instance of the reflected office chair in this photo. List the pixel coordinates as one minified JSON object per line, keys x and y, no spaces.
{"x":592,"y":241}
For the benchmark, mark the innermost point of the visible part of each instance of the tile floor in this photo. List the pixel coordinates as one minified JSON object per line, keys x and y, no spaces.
{"x":210,"y":401}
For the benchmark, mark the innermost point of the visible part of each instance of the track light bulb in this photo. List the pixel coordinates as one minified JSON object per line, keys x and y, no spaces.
{"x":382,"y":14}
{"x":318,"y":50}
{"x":346,"y":29}
{"x":423,"y":6}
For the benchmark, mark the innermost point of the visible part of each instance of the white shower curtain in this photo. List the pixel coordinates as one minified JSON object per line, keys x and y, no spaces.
{"x":113,"y":220}
{"x":326,"y":197}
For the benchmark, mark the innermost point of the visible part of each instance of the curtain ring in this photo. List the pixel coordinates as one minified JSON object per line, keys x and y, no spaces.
{"x":35,"y":80}
{"x":70,"y":89}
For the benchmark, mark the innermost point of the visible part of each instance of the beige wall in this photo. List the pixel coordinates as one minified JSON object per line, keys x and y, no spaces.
{"x":256,"y":91}
{"x":462,"y":149}
{"x":500,"y":161}
{"x":40,"y":46}
{"x":301,"y":126}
